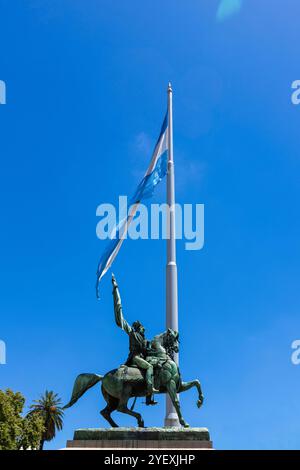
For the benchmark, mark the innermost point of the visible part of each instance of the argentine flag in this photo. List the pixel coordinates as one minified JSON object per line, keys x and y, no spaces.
{"x":154,"y":174}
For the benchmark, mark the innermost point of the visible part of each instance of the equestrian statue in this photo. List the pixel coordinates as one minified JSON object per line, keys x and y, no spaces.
{"x":149,"y":369}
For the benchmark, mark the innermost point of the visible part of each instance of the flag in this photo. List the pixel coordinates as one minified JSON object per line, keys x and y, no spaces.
{"x":154,"y":174}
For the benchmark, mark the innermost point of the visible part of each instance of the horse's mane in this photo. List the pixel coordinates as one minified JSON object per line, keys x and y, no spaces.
{"x":159,"y":338}
{"x":163,"y":340}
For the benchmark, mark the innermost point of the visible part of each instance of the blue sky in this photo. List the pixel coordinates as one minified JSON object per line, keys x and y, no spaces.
{"x":86,"y":93}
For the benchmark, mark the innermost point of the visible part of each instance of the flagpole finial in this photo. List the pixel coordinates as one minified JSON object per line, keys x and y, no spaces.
{"x":169,"y":87}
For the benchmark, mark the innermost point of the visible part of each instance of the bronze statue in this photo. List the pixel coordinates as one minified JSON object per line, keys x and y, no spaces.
{"x":139,"y":347}
{"x":149,"y":369}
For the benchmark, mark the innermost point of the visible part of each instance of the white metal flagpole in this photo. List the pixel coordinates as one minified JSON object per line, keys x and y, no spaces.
{"x":171,"y":418}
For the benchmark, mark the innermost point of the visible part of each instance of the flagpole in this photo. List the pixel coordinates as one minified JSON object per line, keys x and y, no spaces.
{"x":171,"y":418}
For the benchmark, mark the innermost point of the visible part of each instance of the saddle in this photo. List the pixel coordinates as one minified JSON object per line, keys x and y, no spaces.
{"x":138,"y":374}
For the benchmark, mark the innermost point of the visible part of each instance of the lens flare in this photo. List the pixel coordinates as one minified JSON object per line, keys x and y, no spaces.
{"x":228,"y":8}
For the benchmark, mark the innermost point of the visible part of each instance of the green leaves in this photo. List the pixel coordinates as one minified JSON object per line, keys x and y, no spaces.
{"x":49,"y":409}
{"x":17,"y":432}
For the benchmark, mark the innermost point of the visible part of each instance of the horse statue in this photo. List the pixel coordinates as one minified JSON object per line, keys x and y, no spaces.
{"x":119,"y":385}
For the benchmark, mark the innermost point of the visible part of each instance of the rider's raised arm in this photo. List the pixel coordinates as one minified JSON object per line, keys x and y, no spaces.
{"x":120,"y":321}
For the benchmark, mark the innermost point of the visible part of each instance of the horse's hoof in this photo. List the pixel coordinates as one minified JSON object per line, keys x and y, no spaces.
{"x":199,"y":403}
{"x":184,"y":424}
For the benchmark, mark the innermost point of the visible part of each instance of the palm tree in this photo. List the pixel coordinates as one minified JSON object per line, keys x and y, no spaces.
{"x":49,"y":408}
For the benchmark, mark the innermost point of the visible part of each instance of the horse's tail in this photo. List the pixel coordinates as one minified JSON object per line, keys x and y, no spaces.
{"x":82,"y":383}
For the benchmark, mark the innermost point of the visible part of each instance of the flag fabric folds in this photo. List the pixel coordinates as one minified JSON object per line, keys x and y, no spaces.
{"x":154,"y":174}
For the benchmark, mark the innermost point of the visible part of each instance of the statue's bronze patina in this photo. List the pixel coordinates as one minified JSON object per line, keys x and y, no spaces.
{"x":150,"y":368}
{"x":139,"y":347}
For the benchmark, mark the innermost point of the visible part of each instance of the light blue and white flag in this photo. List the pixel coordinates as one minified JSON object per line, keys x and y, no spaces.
{"x":154,"y":174}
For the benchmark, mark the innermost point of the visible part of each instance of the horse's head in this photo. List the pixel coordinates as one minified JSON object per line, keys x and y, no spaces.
{"x":171,"y":342}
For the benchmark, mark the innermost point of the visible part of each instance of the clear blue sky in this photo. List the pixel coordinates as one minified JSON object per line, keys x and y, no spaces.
{"x":86,"y":93}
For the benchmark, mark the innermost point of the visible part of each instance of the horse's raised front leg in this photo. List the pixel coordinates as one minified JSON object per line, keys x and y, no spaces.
{"x":171,"y":387}
{"x":194,"y":383}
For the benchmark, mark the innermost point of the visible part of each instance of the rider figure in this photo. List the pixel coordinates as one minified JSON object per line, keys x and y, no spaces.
{"x":138,"y":345}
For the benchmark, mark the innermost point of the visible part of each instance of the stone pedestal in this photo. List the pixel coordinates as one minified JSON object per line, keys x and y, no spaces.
{"x":141,"y":438}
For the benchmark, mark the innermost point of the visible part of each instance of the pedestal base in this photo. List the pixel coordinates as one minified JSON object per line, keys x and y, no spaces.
{"x":141,"y":438}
